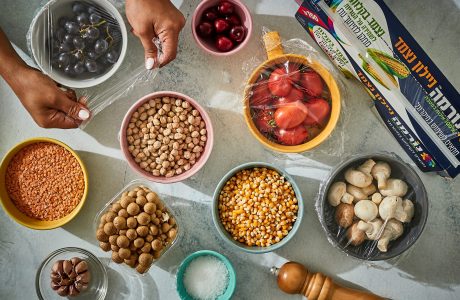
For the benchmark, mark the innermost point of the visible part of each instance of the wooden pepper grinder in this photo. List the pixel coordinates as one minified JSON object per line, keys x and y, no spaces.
{"x":294,"y":278}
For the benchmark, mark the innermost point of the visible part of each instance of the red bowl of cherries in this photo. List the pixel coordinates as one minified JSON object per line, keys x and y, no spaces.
{"x":221,"y":27}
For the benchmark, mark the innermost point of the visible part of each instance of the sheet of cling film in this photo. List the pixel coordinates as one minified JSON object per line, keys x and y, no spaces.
{"x":416,"y":102}
{"x":83,"y":46}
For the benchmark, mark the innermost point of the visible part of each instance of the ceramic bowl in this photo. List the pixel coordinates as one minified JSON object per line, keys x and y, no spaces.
{"x":98,"y":284}
{"x":240,"y":9}
{"x":329,"y":81}
{"x":9,"y":206}
{"x":412,"y":230}
{"x":199,"y":163}
{"x":227,"y":237}
{"x":44,"y":23}
{"x":183,"y":266}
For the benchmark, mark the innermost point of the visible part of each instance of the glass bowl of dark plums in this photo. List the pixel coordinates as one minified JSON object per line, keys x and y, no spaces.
{"x":79,"y":44}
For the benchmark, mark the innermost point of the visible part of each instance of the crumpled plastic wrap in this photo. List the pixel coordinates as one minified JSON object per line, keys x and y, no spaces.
{"x":294,"y":99}
{"x":87,"y":48}
{"x":371,"y":250}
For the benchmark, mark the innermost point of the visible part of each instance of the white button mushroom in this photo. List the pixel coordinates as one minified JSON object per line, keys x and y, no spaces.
{"x":392,"y":207}
{"x":408,"y":207}
{"x":369,"y":190}
{"x":394,"y":187}
{"x":392,"y":231}
{"x":356,"y":192}
{"x":371,"y":228}
{"x":381,"y":172}
{"x":357,"y":178}
{"x":367,"y":166}
{"x":366,"y":210}
{"x":337,"y":193}
{"x":376,"y":198}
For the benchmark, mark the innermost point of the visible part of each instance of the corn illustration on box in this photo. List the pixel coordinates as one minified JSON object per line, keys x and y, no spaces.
{"x":415,"y":100}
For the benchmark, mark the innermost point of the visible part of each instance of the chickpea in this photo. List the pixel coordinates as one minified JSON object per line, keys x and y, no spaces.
{"x":154,"y":230}
{"x":109,"y":229}
{"x":145,"y":259}
{"x":146,"y":248}
{"x":139,"y":242}
{"x":101,"y":235}
{"x":142,"y":231}
{"x":143,"y":218}
{"x":150,"y":208}
{"x":119,"y":222}
{"x":124,"y":253}
{"x":141,"y":200}
{"x":116,"y":258}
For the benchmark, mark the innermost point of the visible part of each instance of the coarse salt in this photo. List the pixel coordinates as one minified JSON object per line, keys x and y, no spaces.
{"x":206,"y":278}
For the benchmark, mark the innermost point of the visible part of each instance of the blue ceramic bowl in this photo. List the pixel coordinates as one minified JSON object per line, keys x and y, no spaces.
{"x":183,"y":266}
{"x":227,"y":237}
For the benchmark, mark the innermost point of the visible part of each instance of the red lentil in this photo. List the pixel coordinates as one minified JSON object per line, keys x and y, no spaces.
{"x":45,"y":181}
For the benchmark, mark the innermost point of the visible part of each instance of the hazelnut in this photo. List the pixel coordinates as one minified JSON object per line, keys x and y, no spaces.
{"x":138,"y":243}
{"x":123,"y":213}
{"x":119,"y":222}
{"x":124,"y":253}
{"x":116,"y":258}
{"x":133,"y":209}
{"x":122,"y":241}
{"x":142,"y":231}
{"x":157,"y":245}
{"x":146,"y":248}
{"x":150,"y":208}
{"x":101,"y":236}
{"x":131,"y":222}
{"x":143,"y":218}
{"x":113,"y":239}
{"x":131,"y":234}
{"x":109,"y":229}
{"x":145,"y":259}
{"x":104,"y":246}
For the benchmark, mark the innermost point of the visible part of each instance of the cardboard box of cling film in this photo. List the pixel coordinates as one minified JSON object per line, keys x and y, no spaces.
{"x":415,"y":100}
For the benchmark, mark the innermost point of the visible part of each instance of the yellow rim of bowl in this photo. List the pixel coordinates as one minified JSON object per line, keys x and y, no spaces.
{"x":11,"y":209}
{"x":335,"y":103}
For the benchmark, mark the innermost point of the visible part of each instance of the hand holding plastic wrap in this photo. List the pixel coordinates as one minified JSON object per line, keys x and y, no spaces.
{"x":83,"y":46}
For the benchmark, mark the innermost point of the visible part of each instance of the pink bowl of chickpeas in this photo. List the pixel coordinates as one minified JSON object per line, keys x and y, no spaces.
{"x":166,"y":137}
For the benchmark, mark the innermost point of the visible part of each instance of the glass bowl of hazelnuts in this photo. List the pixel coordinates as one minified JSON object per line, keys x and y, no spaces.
{"x":136,"y":227}
{"x":71,"y":272}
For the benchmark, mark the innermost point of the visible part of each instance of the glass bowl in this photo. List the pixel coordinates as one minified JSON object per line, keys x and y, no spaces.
{"x":97,"y":288}
{"x":128,"y":187}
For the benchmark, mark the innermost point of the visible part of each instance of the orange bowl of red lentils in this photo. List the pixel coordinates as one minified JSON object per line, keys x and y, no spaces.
{"x":43,"y":183}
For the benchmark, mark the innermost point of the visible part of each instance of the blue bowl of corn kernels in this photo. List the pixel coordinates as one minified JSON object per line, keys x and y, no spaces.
{"x":257,"y":207}
{"x":206,"y":274}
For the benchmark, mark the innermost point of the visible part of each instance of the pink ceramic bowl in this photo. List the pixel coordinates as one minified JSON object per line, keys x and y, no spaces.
{"x":240,"y":9}
{"x":201,"y":160}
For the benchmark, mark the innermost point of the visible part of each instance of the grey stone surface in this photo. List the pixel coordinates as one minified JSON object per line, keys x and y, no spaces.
{"x":430,"y":270}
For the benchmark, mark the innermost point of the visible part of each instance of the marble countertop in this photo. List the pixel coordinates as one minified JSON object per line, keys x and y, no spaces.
{"x":429,"y":270}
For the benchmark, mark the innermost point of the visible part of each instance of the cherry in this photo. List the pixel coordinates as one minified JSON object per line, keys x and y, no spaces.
{"x":233,"y":19}
{"x":223,"y":43}
{"x":210,"y":14}
{"x":221,"y":25}
{"x":225,"y":8}
{"x":237,"y":33}
{"x":205,"y":29}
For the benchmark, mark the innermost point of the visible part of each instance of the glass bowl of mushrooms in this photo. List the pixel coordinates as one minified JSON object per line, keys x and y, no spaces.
{"x":71,"y":272}
{"x":136,"y":227}
{"x":166,"y":137}
{"x":373,"y":206}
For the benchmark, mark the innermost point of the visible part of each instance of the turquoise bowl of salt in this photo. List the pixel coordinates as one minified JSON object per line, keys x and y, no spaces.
{"x":205,"y":275}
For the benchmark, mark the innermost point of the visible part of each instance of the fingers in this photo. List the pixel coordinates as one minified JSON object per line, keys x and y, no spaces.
{"x":170,"y":39}
{"x":58,"y":119}
{"x":71,"y":108}
{"x":150,"y":50}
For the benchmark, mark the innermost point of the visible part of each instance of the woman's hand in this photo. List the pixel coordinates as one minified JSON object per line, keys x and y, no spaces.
{"x":49,"y":105}
{"x":158,"y":18}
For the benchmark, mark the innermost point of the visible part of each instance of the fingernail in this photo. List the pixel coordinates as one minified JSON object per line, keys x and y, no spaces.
{"x":83,"y":114}
{"x":149,"y":63}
